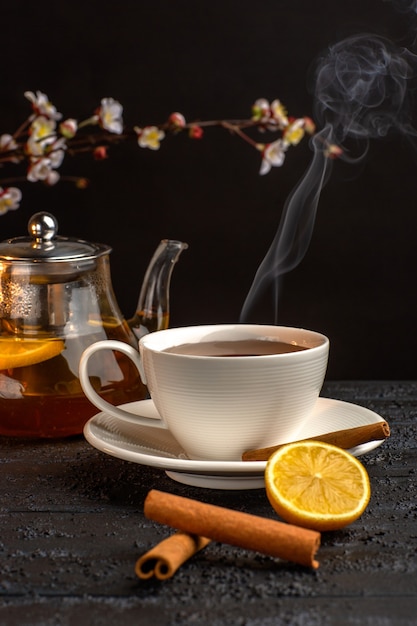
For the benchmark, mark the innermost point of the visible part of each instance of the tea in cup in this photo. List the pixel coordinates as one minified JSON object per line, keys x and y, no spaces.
{"x":224,"y":389}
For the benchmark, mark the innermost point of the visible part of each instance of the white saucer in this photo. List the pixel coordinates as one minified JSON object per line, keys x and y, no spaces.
{"x":157,"y":447}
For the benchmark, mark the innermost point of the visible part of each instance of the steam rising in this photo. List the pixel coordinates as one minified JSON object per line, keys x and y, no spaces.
{"x":361,"y":93}
{"x":296,"y":227}
{"x":360,"y":88}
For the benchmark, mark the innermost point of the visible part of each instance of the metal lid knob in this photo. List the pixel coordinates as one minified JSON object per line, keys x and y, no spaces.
{"x":43,"y":226}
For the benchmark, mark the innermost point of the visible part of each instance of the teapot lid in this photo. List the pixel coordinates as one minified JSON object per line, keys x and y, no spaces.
{"x":45,"y":245}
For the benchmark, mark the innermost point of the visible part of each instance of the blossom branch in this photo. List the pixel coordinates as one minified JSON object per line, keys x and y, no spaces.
{"x":43,"y":139}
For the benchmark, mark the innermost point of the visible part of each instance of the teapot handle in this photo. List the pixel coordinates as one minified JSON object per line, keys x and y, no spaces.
{"x":98,"y":401}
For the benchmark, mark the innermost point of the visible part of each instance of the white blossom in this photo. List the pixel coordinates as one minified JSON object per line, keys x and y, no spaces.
{"x":42,"y":134}
{"x":273,"y":155}
{"x":42,"y":169}
{"x":42,"y":105}
{"x":9,"y":199}
{"x":110,"y":115}
{"x":7,"y":143}
{"x":150,"y":137}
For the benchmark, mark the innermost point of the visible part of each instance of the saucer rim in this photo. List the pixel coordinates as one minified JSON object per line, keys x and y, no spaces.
{"x":205,"y":467}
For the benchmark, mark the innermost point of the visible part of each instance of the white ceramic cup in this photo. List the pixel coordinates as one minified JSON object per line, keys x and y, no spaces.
{"x":217,"y":407}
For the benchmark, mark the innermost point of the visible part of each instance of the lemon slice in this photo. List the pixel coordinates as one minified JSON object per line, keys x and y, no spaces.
{"x":22,"y":352}
{"x":316,"y":485}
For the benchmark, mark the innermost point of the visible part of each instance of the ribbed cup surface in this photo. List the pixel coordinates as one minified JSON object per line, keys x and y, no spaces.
{"x":218,"y":407}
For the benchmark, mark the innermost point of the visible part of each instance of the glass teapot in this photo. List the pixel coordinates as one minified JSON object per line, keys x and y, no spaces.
{"x":56,"y":298}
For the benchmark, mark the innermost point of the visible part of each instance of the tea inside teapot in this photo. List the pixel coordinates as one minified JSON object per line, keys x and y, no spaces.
{"x":56,"y":298}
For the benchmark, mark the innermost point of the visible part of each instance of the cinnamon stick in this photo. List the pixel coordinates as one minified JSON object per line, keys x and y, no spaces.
{"x":163,"y":560}
{"x":347,"y":438}
{"x":270,"y":537}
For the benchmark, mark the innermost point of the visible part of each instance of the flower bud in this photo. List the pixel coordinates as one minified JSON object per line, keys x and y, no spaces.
{"x":333,"y":151}
{"x":68,"y":128}
{"x":176,"y":121}
{"x":100,"y":153}
{"x":261,"y":109}
{"x":81,"y":183}
{"x":195,"y":132}
{"x":309,"y":126}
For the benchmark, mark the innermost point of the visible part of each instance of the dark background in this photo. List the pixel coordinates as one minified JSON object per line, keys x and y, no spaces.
{"x":213,"y":59}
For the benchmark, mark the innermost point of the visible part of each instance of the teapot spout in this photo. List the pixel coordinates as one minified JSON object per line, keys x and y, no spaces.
{"x":152,"y":311}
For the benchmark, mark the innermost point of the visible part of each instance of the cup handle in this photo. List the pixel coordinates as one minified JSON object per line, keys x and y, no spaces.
{"x":98,"y":401}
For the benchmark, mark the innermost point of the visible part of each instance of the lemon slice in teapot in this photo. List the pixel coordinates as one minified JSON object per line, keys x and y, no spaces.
{"x":22,"y":352}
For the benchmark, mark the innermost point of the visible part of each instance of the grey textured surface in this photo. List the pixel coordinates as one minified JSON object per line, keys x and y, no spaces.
{"x":72,"y":527}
